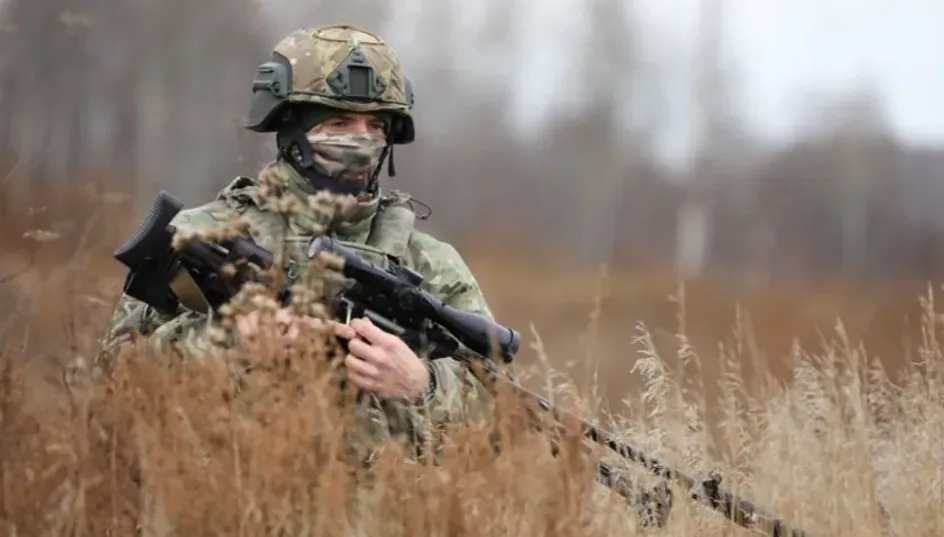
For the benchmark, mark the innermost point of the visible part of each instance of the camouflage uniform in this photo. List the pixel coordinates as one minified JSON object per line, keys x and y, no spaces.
{"x":311,"y":76}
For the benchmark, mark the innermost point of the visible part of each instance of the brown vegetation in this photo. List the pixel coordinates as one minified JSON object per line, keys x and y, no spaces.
{"x":744,"y":368}
{"x":795,"y":414}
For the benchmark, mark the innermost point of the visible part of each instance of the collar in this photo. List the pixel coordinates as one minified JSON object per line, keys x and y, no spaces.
{"x":355,"y":227}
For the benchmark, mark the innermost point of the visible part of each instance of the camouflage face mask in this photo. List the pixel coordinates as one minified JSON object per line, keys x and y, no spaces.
{"x":347,"y":158}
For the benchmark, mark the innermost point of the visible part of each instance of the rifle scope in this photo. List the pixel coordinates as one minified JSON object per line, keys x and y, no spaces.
{"x":478,"y":333}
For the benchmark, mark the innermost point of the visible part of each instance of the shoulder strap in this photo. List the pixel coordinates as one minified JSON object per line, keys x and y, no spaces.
{"x":393,"y":226}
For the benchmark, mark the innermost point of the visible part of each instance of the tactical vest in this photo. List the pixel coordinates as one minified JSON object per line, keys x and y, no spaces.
{"x":386,"y":244}
{"x":387,"y":241}
{"x":390,"y":232}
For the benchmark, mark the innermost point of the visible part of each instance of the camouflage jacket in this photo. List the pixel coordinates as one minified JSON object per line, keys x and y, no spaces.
{"x":377,"y":237}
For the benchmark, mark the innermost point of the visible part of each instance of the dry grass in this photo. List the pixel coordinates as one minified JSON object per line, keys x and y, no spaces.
{"x":806,"y":424}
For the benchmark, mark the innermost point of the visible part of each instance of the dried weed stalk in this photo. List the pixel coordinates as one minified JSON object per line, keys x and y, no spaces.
{"x":253,"y":445}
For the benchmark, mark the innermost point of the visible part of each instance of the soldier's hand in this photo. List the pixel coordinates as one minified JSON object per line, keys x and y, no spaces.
{"x":381,"y":363}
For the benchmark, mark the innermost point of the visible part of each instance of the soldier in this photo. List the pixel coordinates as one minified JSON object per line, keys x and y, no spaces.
{"x":338,"y":102}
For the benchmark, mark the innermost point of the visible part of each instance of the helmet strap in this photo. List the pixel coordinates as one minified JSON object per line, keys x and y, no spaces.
{"x":391,"y":169}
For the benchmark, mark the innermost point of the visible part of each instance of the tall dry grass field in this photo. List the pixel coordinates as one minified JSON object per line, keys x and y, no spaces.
{"x":837,"y":426}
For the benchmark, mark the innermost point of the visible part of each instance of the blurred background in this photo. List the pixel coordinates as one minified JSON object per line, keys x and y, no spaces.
{"x":782,"y":157}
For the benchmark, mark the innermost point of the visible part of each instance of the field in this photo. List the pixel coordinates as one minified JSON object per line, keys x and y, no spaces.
{"x":823,"y":405}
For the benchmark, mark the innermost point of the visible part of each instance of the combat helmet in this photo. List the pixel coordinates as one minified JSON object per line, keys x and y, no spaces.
{"x":338,"y":67}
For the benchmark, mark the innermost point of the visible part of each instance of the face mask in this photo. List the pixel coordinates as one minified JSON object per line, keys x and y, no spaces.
{"x":347,"y":158}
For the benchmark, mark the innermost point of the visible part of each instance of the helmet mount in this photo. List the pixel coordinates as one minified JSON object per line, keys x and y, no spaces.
{"x":341,"y":68}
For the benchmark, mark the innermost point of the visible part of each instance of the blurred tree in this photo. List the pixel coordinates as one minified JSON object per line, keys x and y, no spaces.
{"x":714,"y":226}
{"x":466,"y":162}
{"x":606,"y":76}
{"x":837,"y":192}
{"x":149,"y":91}
{"x":193,"y":88}
{"x":45,"y":68}
{"x":694,"y":218}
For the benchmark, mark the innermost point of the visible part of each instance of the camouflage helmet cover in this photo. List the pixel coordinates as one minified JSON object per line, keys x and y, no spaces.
{"x":338,"y":66}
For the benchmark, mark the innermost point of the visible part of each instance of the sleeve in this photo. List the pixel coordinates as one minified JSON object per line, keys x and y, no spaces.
{"x":187,"y":331}
{"x":455,"y":394}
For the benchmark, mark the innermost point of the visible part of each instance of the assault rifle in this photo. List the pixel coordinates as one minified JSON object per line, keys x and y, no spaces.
{"x":167,"y":277}
{"x":196,"y":276}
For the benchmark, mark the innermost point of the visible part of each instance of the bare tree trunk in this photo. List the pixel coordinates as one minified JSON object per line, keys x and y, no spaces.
{"x":695,"y":219}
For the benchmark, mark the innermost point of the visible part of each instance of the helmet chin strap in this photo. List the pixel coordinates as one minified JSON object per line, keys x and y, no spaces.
{"x":304,"y":164}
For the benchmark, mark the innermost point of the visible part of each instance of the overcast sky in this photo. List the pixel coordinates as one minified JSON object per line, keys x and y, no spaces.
{"x":788,"y":49}
{"x":786,"y":46}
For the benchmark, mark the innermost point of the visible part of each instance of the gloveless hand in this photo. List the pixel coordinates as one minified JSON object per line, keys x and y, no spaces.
{"x":381,"y":363}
